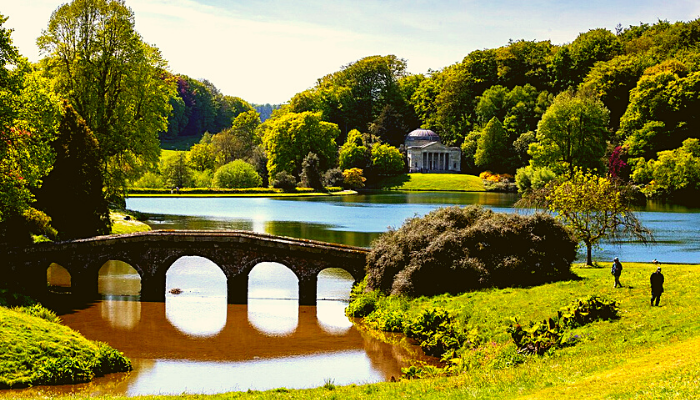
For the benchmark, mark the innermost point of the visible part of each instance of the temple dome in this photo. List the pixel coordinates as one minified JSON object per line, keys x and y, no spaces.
{"x":421,"y":136}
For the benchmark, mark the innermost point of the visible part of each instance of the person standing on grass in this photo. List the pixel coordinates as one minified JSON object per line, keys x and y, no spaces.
{"x":657,"y":286}
{"x":616,"y":271}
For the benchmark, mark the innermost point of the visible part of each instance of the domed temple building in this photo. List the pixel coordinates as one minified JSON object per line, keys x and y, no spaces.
{"x":426,"y":153}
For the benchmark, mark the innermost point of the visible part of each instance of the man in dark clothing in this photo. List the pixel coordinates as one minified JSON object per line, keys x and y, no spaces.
{"x":616,"y":270}
{"x":657,"y":286}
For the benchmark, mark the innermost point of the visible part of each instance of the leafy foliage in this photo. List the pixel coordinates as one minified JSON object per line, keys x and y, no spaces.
{"x":539,"y":338}
{"x":311,"y":173}
{"x":113,"y":79}
{"x":572,"y":133}
{"x":456,"y":249}
{"x":290,"y":138}
{"x":353,"y":178}
{"x":72,"y":192}
{"x":285,"y":181}
{"x":237,"y":174}
{"x":594,"y":208}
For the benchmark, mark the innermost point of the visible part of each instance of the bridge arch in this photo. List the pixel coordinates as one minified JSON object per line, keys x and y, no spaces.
{"x":58,"y":278}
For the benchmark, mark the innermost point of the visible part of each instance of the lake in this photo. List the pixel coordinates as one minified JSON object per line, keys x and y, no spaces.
{"x":197,"y":343}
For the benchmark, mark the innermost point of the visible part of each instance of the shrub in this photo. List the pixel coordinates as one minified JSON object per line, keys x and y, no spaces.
{"x":285,"y":181}
{"x":237,"y":174}
{"x":37,"y":310}
{"x":353,"y":178}
{"x":454,"y":249}
{"x":333,"y":178}
{"x":149,"y":180}
{"x":110,"y":360}
{"x":203,"y":179}
{"x":550,"y":333}
{"x":310,"y":172}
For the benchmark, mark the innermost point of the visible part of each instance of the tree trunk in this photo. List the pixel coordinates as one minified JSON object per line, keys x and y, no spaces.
{"x":589,"y":260}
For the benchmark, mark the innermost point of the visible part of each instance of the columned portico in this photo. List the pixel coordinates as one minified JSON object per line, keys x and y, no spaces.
{"x":426,"y":153}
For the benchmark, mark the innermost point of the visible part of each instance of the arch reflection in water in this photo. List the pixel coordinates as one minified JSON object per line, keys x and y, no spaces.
{"x":117,"y":278}
{"x":58,"y":279}
{"x":195,"y":299}
{"x":334,"y":285}
{"x":273,"y":299}
{"x":120,"y":313}
{"x":264,"y":374}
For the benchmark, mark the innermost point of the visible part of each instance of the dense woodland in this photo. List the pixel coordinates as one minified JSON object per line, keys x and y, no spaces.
{"x":622,"y":104}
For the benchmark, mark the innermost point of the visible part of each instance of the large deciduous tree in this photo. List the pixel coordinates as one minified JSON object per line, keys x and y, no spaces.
{"x":289,"y":138}
{"x":28,"y":119}
{"x":594,"y":208}
{"x":114,"y":80}
{"x":572,"y":133}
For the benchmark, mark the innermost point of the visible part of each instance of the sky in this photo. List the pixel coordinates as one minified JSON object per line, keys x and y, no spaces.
{"x":266,"y":51}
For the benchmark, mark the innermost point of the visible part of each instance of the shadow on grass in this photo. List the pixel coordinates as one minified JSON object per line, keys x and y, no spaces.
{"x":391,"y":182}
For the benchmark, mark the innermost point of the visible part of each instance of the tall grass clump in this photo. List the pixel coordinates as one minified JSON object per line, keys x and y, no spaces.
{"x":455,"y":249}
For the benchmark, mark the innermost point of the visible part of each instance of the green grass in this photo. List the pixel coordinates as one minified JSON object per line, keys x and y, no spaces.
{"x":182,"y":143}
{"x":35,"y":350}
{"x":120,"y":225}
{"x":648,"y":353}
{"x":432,"y":182}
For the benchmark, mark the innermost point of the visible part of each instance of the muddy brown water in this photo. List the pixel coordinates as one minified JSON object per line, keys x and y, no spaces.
{"x":195,"y":342}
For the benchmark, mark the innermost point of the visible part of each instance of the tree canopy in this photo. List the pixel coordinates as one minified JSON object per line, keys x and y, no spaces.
{"x":114,"y":80}
{"x":290,"y":138}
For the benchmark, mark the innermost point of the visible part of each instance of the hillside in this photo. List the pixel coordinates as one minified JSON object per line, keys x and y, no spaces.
{"x":648,"y":353}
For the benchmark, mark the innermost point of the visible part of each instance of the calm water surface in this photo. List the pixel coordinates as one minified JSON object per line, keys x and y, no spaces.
{"x":195,"y":342}
{"x":357,"y":220}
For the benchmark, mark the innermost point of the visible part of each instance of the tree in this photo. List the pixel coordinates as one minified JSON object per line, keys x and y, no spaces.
{"x":176,"y":170}
{"x":201,"y":155}
{"x":594,"y":208}
{"x":572,"y":133}
{"x":492,"y":147}
{"x":29,"y":114}
{"x":290,"y":138}
{"x":238,"y":141}
{"x":353,"y":153}
{"x":114,"y":80}
{"x":353,"y":178}
{"x":237,"y":174}
{"x":675,"y":173}
{"x":662,"y":112}
{"x":311,"y":175}
{"x":72,"y":192}
{"x":386,"y":160}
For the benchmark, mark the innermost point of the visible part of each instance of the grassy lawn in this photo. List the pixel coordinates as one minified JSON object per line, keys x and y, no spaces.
{"x":37,"y":349}
{"x":648,"y":353}
{"x":433,"y":182}
{"x":121,"y":225}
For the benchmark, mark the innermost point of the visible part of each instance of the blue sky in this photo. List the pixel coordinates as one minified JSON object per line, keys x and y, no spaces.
{"x":265,"y":51}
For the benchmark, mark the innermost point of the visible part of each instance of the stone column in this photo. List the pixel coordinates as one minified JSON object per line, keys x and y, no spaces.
{"x":153,"y":288}
{"x":237,"y":289}
{"x":84,"y":283}
{"x":308,"y":286}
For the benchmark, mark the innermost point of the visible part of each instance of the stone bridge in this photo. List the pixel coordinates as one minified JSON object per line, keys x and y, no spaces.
{"x":152,"y":253}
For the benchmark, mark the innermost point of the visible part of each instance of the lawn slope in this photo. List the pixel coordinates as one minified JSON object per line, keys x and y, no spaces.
{"x":432,"y":182}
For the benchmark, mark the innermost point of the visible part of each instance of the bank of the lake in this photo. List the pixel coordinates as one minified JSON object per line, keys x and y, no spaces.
{"x":248,"y":192}
{"x":648,"y":353}
{"x":36,"y":349}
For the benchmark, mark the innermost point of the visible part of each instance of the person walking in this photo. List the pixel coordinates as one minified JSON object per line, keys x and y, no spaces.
{"x":616,"y":271}
{"x":657,"y":286}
